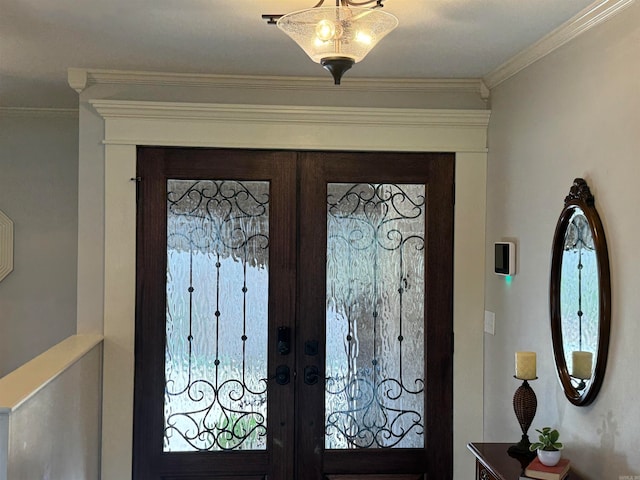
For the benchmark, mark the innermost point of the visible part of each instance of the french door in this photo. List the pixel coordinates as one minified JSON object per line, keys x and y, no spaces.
{"x":294,"y":315}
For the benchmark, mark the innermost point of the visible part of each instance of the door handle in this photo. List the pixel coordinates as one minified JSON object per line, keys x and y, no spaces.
{"x":311,"y":375}
{"x":282,"y":374}
{"x":284,"y":340}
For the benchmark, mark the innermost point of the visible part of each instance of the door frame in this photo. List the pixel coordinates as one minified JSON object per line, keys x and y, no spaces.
{"x":131,"y":123}
{"x":308,"y":236}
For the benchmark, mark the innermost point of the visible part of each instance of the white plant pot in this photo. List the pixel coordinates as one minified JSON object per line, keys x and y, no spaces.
{"x":549,"y":457}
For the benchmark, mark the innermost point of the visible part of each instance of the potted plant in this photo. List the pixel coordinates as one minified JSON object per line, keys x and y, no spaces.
{"x":548,"y":447}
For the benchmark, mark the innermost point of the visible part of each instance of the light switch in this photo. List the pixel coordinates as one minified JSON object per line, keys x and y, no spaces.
{"x":489,"y":322}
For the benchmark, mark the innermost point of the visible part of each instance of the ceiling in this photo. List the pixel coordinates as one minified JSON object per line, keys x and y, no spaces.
{"x":40,"y":39}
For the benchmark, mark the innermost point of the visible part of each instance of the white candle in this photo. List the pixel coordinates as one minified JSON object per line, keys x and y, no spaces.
{"x":582,"y":362}
{"x":526,"y":365}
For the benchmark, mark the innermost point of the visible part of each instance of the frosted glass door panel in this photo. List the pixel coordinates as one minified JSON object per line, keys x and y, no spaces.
{"x":216,"y":317}
{"x":375,"y":316}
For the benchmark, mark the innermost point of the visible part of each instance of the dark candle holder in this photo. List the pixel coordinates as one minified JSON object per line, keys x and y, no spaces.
{"x":581,"y":384}
{"x":525,"y":404}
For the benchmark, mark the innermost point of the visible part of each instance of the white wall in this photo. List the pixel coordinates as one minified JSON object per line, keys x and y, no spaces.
{"x":575,"y":113}
{"x":39,"y":192}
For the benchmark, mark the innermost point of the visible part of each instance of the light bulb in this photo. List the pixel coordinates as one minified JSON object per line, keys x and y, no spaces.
{"x":325,"y":30}
{"x":363,"y":37}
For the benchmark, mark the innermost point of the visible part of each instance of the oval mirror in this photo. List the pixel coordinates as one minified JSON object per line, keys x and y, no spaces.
{"x":580,"y":296}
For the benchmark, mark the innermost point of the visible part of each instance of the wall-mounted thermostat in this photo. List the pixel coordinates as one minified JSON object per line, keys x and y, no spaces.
{"x":505,"y":258}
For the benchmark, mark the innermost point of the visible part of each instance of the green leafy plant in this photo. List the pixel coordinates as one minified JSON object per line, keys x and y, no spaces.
{"x":547,"y":440}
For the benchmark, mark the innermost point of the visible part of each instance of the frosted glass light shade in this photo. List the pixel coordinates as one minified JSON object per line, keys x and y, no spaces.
{"x":337,"y":32}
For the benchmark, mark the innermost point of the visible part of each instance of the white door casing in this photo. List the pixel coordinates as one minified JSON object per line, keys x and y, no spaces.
{"x":131,"y":123}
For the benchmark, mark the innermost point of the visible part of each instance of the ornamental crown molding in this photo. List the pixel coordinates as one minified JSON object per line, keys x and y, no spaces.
{"x":290,"y":114}
{"x":79,"y":79}
{"x":588,"y":18}
{"x":38,"y":112}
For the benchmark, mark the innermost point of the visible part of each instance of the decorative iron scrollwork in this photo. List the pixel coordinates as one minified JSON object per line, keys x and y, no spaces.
{"x":217,"y":238}
{"x":375,"y":293}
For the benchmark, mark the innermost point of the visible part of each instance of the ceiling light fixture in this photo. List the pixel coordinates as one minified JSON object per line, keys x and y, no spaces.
{"x":337,"y":37}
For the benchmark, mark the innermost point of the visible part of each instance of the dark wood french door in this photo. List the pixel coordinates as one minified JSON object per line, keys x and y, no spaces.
{"x":294,"y":315}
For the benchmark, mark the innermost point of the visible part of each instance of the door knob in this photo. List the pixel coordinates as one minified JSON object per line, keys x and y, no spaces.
{"x":311,"y":375}
{"x":282,"y":374}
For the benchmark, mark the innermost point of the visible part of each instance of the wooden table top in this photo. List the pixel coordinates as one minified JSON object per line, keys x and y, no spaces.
{"x":501,"y":464}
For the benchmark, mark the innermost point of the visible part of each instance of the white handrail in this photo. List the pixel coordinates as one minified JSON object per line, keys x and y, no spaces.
{"x":19,"y":385}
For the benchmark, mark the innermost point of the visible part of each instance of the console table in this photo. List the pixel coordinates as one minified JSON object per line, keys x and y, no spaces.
{"x":493,"y":462}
